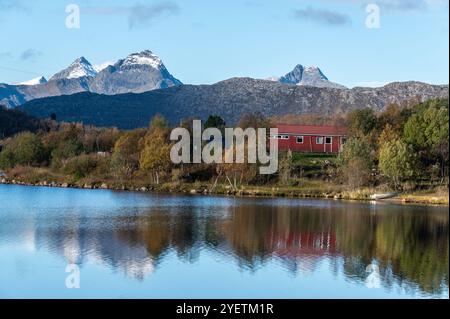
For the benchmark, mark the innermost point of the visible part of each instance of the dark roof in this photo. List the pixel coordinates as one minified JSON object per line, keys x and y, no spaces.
{"x":312,"y":129}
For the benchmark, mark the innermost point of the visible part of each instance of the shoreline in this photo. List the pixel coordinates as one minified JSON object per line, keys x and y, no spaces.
{"x":412,"y":198}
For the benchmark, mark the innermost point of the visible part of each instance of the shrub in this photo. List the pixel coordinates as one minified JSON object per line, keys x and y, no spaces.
{"x":6,"y":159}
{"x":87,"y":164}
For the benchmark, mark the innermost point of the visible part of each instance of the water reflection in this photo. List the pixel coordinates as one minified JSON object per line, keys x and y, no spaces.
{"x":408,"y":245}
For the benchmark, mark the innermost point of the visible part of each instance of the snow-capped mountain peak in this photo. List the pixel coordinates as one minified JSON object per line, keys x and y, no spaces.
{"x":35,"y":81}
{"x":146,"y":57}
{"x":310,"y":76}
{"x":313,"y":73}
{"x":79,"y":68}
{"x":138,"y":72}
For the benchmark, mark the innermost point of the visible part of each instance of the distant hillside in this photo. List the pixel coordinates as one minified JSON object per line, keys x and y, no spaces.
{"x":15,"y":121}
{"x":229,"y":99}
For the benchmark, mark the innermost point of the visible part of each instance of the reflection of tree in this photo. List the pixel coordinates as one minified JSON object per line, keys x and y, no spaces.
{"x":417,"y":249}
{"x":410,"y":246}
{"x":154,"y":233}
{"x":185,"y":235}
{"x":160,"y":230}
{"x":246,"y":232}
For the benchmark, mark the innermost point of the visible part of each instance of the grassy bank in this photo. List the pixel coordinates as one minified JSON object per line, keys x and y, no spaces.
{"x":307,"y":188}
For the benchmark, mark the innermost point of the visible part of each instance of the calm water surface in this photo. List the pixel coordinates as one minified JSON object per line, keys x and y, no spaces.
{"x":134,"y":245}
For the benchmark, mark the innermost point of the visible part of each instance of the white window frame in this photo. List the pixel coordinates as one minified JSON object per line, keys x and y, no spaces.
{"x":331,"y":140}
{"x":281,"y":137}
{"x":300,"y":137}
{"x":319,"y":138}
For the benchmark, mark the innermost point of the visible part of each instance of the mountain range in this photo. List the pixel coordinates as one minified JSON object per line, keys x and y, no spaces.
{"x":138,"y":72}
{"x":229,"y":99}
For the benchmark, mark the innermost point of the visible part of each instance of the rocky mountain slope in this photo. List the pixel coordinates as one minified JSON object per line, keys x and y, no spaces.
{"x":229,"y":99}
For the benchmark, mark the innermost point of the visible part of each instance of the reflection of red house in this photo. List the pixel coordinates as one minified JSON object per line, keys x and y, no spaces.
{"x":297,"y":244}
{"x":311,"y":138}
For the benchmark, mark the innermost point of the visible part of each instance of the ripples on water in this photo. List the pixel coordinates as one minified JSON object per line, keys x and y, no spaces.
{"x":142,"y":245}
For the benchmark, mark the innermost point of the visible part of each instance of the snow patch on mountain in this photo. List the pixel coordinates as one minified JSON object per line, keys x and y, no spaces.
{"x":104,"y":65}
{"x":146,"y":57}
{"x":35,"y":81}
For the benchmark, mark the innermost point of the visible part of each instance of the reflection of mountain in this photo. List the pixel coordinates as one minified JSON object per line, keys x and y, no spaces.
{"x":102,"y":245}
{"x":410,"y":248}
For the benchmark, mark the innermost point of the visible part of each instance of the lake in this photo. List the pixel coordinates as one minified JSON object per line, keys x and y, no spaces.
{"x":72,"y":243}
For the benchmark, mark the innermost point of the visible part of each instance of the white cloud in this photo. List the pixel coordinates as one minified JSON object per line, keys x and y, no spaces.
{"x":322,"y":16}
{"x":30,"y":55}
{"x":139,"y":14}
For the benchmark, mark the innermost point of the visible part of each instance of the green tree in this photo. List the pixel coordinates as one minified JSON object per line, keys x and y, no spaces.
{"x":24,"y":149}
{"x":428,"y":132}
{"x":6,"y":159}
{"x":355,"y":162}
{"x":398,"y":161}
{"x":362,"y":122}
{"x":86,"y":164}
{"x":215,"y":121}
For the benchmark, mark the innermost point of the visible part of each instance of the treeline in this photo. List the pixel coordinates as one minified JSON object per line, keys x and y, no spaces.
{"x":75,"y":151}
{"x":399,"y":147}
{"x":14,"y":121}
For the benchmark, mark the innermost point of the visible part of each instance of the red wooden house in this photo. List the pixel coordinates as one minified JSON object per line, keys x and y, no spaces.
{"x":311,"y":138}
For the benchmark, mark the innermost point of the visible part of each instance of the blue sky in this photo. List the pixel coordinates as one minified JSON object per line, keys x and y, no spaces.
{"x":206,"y":41}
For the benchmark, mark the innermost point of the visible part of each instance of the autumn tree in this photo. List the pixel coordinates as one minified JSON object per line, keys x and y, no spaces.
{"x":125,"y":157}
{"x":236,"y":173}
{"x":254,"y":120}
{"x":394,"y":116}
{"x":155,"y":154}
{"x":285,"y":167}
{"x":99,"y":140}
{"x":64,"y":144}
